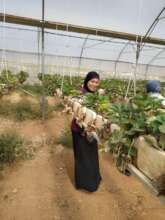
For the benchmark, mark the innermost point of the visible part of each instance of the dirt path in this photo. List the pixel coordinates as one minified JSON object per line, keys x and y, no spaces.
{"x":43,"y":188}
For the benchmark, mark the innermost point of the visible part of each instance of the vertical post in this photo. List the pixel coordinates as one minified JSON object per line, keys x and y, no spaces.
{"x":39,"y":50}
{"x":4,"y":58}
{"x":43,"y":61}
{"x":136,"y":65}
{"x":81,"y":54}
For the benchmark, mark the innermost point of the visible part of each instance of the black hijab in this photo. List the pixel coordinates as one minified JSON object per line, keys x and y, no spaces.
{"x":89,"y":76}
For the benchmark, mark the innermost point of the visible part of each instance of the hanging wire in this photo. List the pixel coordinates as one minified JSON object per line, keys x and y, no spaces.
{"x":69,"y":58}
{"x":100,"y":69}
{"x":117,"y":60}
{"x":137,"y":54}
{"x":153,"y":25}
{"x":57,"y":65}
{"x":39,"y":50}
{"x":138,"y":46}
{"x":81,"y":53}
{"x":115,"y":41}
{"x":132,"y":75}
{"x":64,"y":62}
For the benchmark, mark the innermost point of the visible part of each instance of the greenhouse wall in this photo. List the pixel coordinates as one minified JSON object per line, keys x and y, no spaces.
{"x":55,"y":64}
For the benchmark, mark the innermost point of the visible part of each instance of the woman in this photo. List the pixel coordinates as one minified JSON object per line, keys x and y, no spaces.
{"x":87,"y":174}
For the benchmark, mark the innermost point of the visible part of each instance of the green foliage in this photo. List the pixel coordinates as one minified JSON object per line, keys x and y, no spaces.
{"x":139,"y":117}
{"x":116,"y":89}
{"x":22,"y":76}
{"x":96,"y":102}
{"x":10,"y":81}
{"x":68,"y":90}
{"x":156,"y":127}
{"x":135,"y":113}
{"x":52,"y":82}
{"x":11,"y":147}
{"x":35,"y":88}
{"x":157,"y":124}
{"x":6,"y":108}
{"x":24,"y":110}
{"x":121,"y":145}
{"x":3,"y":89}
{"x":65,"y":138}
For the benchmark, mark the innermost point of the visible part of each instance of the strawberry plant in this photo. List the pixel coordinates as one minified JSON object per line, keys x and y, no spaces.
{"x":22,"y":76}
{"x":96,"y":102}
{"x":141,"y":116}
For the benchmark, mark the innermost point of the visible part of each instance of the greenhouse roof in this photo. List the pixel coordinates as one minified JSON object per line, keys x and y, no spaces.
{"x":128,"y":16}
{"x":132,"y":16}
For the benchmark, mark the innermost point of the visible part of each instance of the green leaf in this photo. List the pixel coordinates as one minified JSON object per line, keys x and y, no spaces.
{"x":162,"y":128}
{"x":162,"y":141}
{"x":151,"y":141}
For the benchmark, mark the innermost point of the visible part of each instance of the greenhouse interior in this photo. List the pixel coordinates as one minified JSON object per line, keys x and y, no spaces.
{"x":82,"y":110}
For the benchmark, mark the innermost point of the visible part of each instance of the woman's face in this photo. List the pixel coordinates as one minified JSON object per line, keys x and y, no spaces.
{"x":93,"y":84}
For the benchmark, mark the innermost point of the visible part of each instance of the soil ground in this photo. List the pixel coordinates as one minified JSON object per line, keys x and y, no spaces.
{"x":43,"y":188}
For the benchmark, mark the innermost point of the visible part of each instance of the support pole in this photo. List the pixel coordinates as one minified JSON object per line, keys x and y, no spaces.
{"x":81,"y":54}
{"x":136,"y":66}
{"x":39,"y":50}
{"x":43,"y":61}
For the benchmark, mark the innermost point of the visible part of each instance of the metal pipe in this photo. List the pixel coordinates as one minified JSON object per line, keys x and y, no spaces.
{"x":81,"y":53}
{"x":79,"y":29}
{"x":43,"y":61}
{"x":118,"y":57}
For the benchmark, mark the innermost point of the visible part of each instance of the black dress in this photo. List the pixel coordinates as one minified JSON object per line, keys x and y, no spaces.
{"x":87,"y":174}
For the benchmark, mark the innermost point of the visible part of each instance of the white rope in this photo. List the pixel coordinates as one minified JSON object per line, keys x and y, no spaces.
{"x":58,"y":67}
{"x":129,"y":82}
{"x":39,"y":49}
{"x":131,"y":75}
{"x":134,"y":73}
{"x":56,"y":57}
{"x":69,"y":59}
{"x":69,"y":63}
{"x":64,"y":63}
{"x":138,"y":45}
